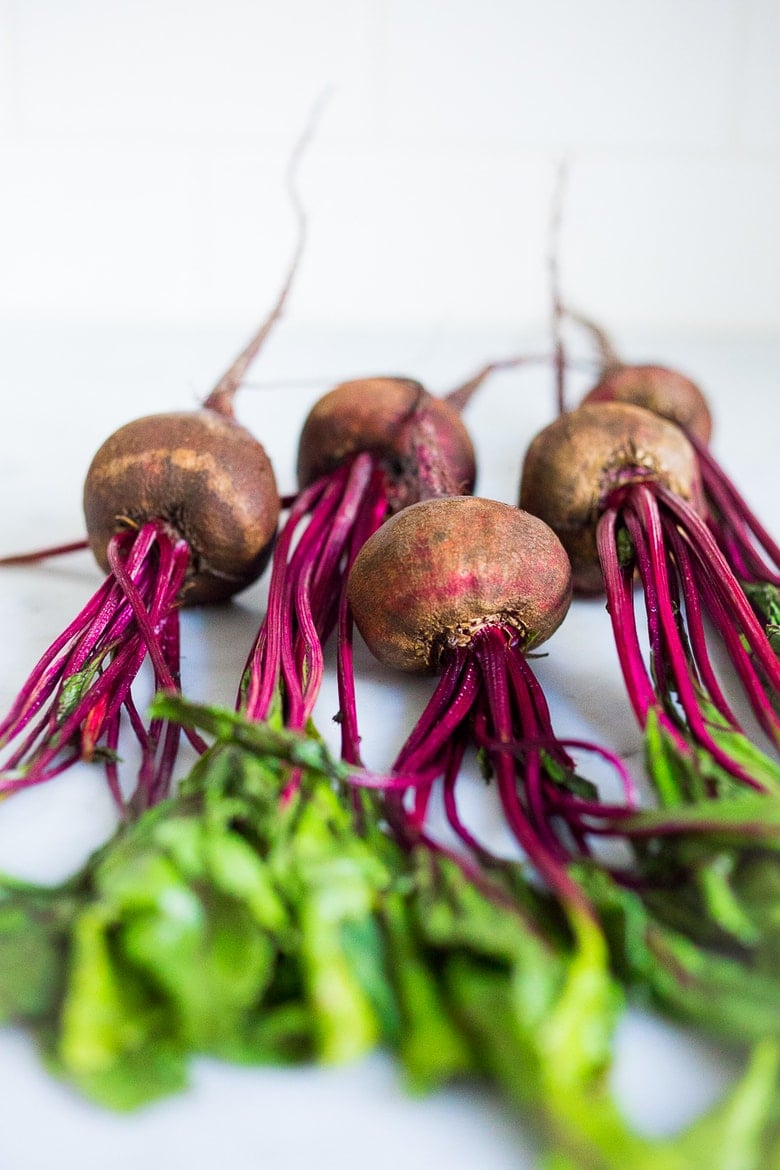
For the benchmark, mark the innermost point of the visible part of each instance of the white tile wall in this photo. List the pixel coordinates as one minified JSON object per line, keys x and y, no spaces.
{"x":562,"y":74}
{"x":143,"y":146}
{"x":760,"y":121}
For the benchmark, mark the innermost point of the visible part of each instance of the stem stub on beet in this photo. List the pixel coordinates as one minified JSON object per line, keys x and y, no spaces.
{"x":576,"y":465}
{"x":206,"y":477}
{"x":442,"y":569}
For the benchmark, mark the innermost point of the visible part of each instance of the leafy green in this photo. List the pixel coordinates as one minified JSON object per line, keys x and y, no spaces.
{"x":260,"y":922}
{"x":683,"y":772}
{"x":765,"y":599}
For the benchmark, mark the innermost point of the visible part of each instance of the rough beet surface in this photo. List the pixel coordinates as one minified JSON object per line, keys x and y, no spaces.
{"x":660,"y":389}
{"x":576,"y":464}
{"x":206,"y":478}
{"x":416,"y":435}
{"x":441,"y":570}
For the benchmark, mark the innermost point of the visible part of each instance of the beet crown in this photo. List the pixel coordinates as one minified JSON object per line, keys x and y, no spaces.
{"x":206,"y":477}
{"x":440,"y":570}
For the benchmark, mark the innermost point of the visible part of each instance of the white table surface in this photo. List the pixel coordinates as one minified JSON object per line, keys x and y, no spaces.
{"x":64,"y":390}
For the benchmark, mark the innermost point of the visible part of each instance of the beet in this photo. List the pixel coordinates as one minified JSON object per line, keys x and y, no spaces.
{"x":573,"y":466}
{"x":420,"y":441}
{"x":439,"y":571}
{"x":206,"y":478}
{"x":621,"y":488}
{"x":180,"y":508}
{"x":751,"y":551}
{"x":468,"y":587}
{"x":663,"y":391}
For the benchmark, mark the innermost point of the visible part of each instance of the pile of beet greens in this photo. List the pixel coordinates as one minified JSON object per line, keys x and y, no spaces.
{"x":242,"y":921}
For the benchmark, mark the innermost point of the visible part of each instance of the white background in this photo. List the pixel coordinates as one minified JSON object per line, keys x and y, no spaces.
{"x":142,"y":144}
{"x":144,"y":231}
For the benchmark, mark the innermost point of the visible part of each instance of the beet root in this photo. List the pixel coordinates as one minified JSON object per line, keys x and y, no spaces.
{"x":622,"y":489}
{"x":420,"y":440}
{"x":662,"y":390}
{"x":441,"y":570}
{"x":206,"y":478}
{"x":574,"y":467}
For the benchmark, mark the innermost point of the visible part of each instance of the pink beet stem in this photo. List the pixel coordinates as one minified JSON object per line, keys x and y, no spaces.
{"x":133,"y":614}
{"x":307,"y":579}
{"x":692,"y":593}
{"x":547,"y":862}
{"x":618,"y":582}
{"x":717,"y":569}
{"x":673,"y":668}
{"x":737,"y":529}
{"x":41,"y":554}
{"x":752,"y":684}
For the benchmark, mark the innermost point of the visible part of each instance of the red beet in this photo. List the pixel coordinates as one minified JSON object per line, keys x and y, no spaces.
{"x":662,"y":390}
{"x":751,"y":551}
{"x":621,"y":488}
{"x":440,"y":571}
{"x":207,"y":480}
{"x":467,"y":586}
{"x":420,"y":442}
{"x":573,"y":467}
{"x":180,"y":508}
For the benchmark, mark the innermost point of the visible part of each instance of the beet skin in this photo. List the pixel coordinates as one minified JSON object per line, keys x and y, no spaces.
{"x":202,"y":474}
{"x":440,"y":570}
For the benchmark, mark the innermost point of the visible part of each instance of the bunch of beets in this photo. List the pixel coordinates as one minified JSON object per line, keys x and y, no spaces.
{"x":280,"y":904}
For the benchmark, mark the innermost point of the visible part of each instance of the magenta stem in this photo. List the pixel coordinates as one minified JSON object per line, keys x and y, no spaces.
{"x":618,"y":582}
{"x":311,"y":560}
{"x":132,"y":616}
{"x":685,"y":682}
{"x":490,"y":649}
{"x":753,"y":554}
{"x":681,"y":569}
{"x":716,"y":568}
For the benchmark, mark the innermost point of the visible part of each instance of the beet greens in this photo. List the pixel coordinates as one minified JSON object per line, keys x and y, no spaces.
{"x":304,"y":939}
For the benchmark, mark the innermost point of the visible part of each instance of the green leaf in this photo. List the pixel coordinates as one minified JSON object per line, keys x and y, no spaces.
{"x":765,"y":599}
{"x":724,"y":995}
{"x":733,"y":1135}
{"x":262,"y":739}
{"x":111,"y":1025}
{"x":430,"y":1046}
{"x":32,"y":945}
